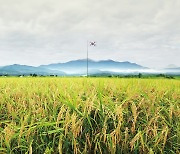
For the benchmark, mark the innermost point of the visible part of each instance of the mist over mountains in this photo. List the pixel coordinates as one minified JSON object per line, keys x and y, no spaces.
{"x":79,"y":67}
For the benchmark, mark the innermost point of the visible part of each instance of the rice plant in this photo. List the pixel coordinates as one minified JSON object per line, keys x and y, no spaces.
{"x":89,"y":115}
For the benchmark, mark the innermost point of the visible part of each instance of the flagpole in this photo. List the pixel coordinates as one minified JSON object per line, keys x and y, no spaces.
{"x":87,"y":59}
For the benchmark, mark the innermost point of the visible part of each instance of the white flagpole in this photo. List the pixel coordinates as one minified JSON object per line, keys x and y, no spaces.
{"x":89,"y":43}
{"x":87,"y":58}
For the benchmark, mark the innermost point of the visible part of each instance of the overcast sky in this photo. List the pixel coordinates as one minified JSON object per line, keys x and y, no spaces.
{"x":35,"y":32}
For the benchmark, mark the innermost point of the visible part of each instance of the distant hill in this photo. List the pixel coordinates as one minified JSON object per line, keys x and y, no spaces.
{"x":17,"y":69}
{"x":175,"y":69}
{"x":171,"y":66}
{"x":172,"y":71}
{"x":79,"y":66}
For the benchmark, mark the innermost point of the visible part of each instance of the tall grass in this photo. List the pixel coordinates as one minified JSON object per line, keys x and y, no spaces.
{"x":94,"y":115}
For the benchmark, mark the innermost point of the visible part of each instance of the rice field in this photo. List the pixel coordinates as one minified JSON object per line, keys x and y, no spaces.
{"x":89,"y":115}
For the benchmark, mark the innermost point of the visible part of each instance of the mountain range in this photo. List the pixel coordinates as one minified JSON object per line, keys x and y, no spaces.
{"x":79,"y":67}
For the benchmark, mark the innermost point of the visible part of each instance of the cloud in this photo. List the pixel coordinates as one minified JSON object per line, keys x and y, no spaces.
{"x":43,"y":31}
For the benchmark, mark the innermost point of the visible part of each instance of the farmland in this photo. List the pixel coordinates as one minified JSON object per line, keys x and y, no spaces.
{"x":89,"y":115}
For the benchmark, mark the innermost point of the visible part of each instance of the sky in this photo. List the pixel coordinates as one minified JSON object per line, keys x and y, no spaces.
{"x":35,"y":32}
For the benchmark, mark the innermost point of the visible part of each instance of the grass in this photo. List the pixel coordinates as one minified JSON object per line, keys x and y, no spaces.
{"x":94,"y":115}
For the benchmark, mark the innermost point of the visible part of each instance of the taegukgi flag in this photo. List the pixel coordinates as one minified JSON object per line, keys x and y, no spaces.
{"x":92,"y":43}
